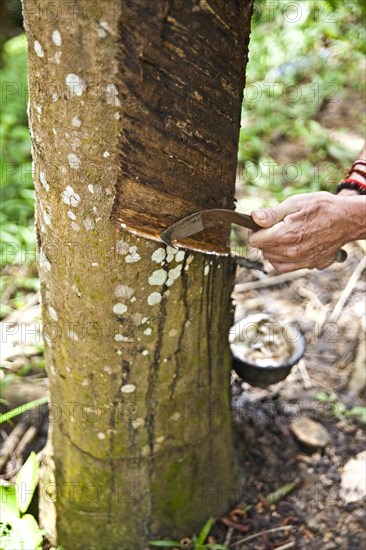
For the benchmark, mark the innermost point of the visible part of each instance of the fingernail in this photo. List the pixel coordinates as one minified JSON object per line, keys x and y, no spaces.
{"x":261,"y":215}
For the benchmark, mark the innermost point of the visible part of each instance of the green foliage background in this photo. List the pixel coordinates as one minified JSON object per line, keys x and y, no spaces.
{"x":316,"y":52}
{"x":17,"y":192}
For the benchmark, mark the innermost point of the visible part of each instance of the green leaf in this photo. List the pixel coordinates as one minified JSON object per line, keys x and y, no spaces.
{"x":8,"y":502}
{"x":357,"y":411}
{"x":29,"y":530}
{"x":332,"y":4}
{"x":205,"y":531}
{"x":165,"y":543}
{"x":11,"y":540}
{"x":338,"y":409}
{"x":16,"y":45}
{"x":325,"y":397}
{"x":216,"y":547}
{"x":22,"y":408}
{"x":26,"y":482}
{"x":4,"y":533}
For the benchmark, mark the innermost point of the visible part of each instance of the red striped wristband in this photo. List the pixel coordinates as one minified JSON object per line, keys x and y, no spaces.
{"x":351,"y":183}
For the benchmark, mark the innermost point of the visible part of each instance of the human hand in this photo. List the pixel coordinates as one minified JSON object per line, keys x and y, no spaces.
{"x":304,"y":231}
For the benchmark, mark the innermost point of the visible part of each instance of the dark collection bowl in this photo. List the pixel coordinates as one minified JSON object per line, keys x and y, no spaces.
{"x":266,"y":374}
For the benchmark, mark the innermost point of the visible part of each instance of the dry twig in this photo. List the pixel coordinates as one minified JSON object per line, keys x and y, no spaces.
{"x":347,"y":290}
{"x":11,"y":442}
{"x":286,"y":546}
{"x":270,"y":281}
{"x":228,"y":536}
{"x":16,"y":316}
{"x":266,"y":532}
{"x":27,"y":438}
{"x":301,"y":365}
{"x":357,"y":381}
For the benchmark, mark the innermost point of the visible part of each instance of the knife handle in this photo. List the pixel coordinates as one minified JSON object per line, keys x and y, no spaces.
{"x":341,"y":256}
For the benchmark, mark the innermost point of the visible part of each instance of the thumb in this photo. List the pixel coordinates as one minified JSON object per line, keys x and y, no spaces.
{"x":270,"y":216}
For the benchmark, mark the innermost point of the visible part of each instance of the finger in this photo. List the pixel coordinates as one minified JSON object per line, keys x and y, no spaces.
{"x":278,"y":251}
{"x":270,"y":216}
{"x":326,"y":262}
{"x":267,"y":239}
{"x":283,"y":267}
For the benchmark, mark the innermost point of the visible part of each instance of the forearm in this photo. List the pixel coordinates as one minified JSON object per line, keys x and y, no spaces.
{"x":358,"y":173}
{"x":356,"y":203}
{"x":355,"y":206}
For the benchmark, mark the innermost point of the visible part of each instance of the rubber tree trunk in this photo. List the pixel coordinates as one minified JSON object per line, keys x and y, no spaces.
{"x":134,"y":113}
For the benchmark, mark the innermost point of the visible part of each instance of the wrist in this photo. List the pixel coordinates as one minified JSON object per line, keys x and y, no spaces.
{"x":352,"y":183}
{"x":354,"y":210}
{"x":359,"y":175}
{"x":355,"y":177}
{"x":349,"y":192}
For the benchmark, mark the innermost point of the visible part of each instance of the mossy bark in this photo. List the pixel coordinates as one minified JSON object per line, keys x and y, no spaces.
{"x":133,"y":106}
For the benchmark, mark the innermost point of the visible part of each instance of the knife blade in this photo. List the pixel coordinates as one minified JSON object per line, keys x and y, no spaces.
{"x":204,"y":220}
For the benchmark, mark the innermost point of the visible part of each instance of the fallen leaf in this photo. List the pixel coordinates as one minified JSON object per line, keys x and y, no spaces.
{"x":353,"y":481}
{"x":279,"y":494}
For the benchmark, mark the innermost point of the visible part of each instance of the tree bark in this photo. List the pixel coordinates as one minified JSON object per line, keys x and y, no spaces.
{"x":134,"y":114}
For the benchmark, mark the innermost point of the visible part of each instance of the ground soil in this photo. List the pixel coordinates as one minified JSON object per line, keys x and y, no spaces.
{"x":271,"y":456}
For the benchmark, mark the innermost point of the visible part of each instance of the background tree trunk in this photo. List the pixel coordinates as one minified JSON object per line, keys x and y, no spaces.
{"x":134,"y":114}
